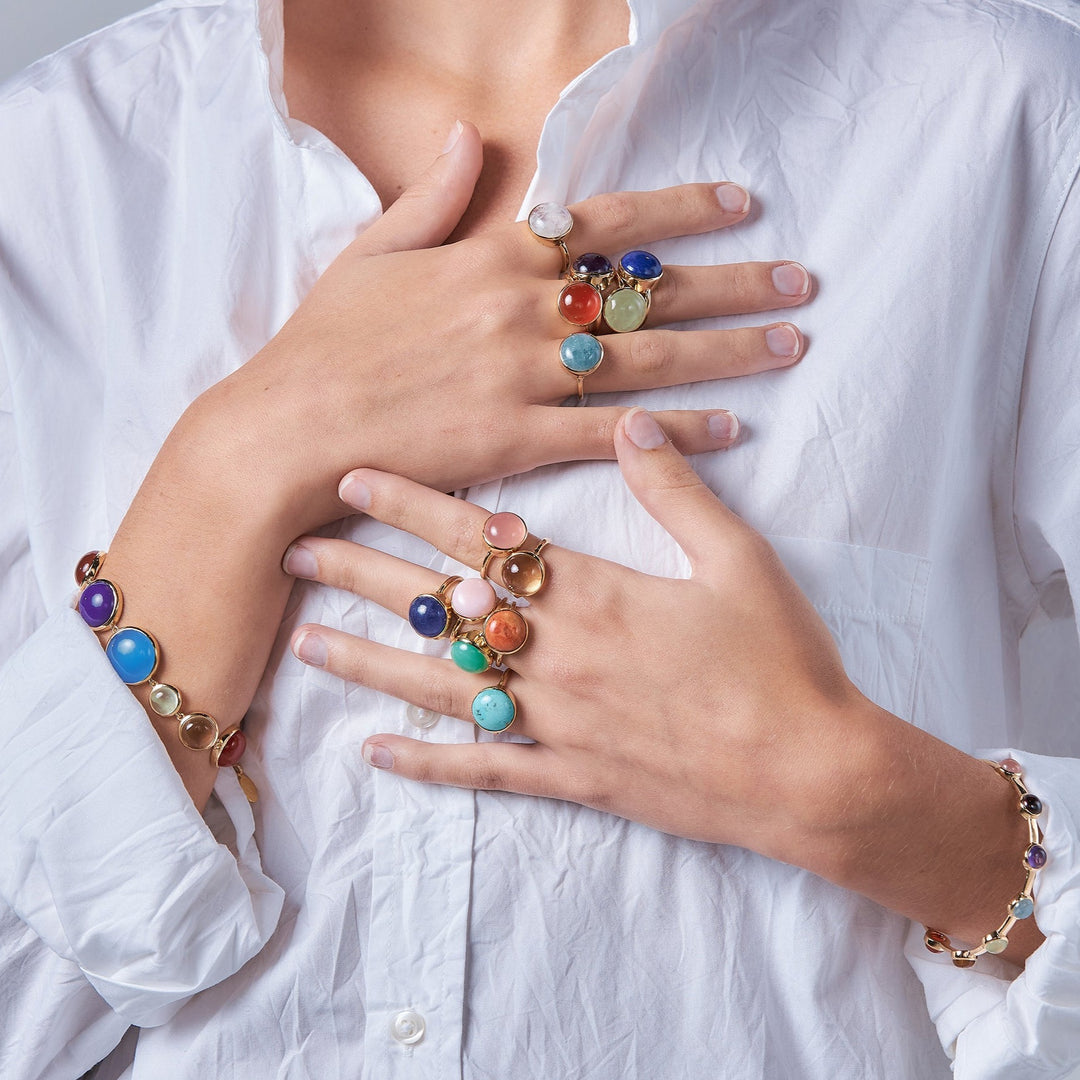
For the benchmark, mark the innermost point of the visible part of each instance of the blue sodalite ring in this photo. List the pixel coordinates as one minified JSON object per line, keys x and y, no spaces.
{"x":640,"y":270}
{"x":430,"y":614}
{"x":581,"y":355}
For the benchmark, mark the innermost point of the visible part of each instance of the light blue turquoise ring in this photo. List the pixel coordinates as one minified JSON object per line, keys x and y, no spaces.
{"x":581,"y":355}
{"x":494,"y":707}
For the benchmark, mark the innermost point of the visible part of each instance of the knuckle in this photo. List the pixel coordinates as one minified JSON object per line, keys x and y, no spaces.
{"x":652,"y":354}
{"x":742,"y":283}
{"x":441,"y":696}
{"x":481,"y":772}
{"x":618,"y":212}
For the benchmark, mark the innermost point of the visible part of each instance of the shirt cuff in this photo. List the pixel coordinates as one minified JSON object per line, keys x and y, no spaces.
{"x":994,"y":1021}
{"x":105,"y":856}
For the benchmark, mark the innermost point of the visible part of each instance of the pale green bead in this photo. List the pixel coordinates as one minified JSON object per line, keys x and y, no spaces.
{"x":625,"y":310}
{"x":165,"y":699}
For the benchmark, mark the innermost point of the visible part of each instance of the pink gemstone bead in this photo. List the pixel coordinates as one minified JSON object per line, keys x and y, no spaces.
{"x":473,"y":598}
{"x":505,"y":531}
{"x":1011,"y":765}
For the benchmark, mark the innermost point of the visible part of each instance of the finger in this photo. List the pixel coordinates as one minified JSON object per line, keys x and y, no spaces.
{"x":699,"y":292}
{"x":669,"y":489}
{"x":626,"y":219}
{"x":431,"y":682}
{"x":529,"y":769}
{"x":580,"y":434}
{"x":650,"y":358}
{"x":429,"y":209}
{"x":388,"y":581}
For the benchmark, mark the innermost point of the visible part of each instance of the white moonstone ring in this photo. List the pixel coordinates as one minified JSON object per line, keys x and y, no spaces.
{"x":551,"y":222}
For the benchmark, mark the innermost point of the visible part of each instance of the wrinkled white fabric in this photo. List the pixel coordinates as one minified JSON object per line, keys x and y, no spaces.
{"x":918,"y":471}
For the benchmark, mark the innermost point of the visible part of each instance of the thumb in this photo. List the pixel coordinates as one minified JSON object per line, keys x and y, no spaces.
{"x":662,"y":480}
{"x":428,"y":210}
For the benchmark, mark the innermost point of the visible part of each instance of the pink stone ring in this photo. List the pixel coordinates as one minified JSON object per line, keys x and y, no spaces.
{"x":551,"y":223}
{"x":506,"y":536}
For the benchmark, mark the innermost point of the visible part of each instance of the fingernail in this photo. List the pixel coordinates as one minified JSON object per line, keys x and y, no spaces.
{"x":311,"y":648}
{"x":723,"y":426}
{"x":355,"y":492}
{"x":732,"y":198}
{"x":791,"y":279}
{"x":452,"y":138}
{"x":643,"y":431}
{"x":300,"y":562}
{"x":782,"y":340}
{"x":378,"y":757}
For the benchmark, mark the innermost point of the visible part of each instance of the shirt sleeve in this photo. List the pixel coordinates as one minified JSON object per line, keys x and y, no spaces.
{"x":117,"y":902}
{"x":994,"y":1023}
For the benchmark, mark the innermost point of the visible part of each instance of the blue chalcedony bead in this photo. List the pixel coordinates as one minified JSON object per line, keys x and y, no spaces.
{"x":97,"y":603}
{"x":643,"y":265}
{"x":493,"y":709}
{"x":591,"y":264}
{"x":427,"y":615}
{"x":1022,"y":907}
{"x":581,"y":353}
{"x":133,"y":655}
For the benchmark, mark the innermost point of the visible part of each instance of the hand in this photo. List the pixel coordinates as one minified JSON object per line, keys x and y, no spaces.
{"x":441,"y":363}
{"x":715,"y":708}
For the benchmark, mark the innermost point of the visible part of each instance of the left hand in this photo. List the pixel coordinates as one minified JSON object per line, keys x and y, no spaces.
{"x":695,"y":706}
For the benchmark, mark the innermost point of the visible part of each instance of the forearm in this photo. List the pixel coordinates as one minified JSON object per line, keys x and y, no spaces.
{"x":197,"y":558}
{"x":917,"y":826}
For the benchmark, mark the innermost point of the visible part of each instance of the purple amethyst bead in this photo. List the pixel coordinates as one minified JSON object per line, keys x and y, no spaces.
{"x":592,"y":263}
{"x":97,"y":604}
{"x":1031,"y":804}
{"x":1035,"y":856}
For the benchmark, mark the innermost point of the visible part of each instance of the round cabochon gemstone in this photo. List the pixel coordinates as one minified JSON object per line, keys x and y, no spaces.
{"x":550,"y":220}
{"x":1035,"y":856}
{"x":505,"y":630}
{"x":1011,"y":765}
{"x":133,"y":655}
{"x":233,"y":750}
{"x":505,"y":531}
{"x":494,"y":709}
{"x":1031,"y":804}
{"x":591,"y":264}
{"x":625,"y":310}
{"x":468,"y":657}
{"x":472,"y":598}
{"x":995,"y":944}
{"x":523,"y":573}
{"x":581,"y":353}
{"x":427,"y":615}
{"x":98,"y":604}
{"x":643,"y":265}
{"x":198,"y":731}
{"x":1022,"y":907}
{"x":165,"y":699}
{"x":87,"y":565}
{"x":935,"y":941}
{"x":580,"y":303}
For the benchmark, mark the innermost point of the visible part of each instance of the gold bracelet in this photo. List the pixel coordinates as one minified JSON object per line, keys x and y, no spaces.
{"x":1030,"y":807}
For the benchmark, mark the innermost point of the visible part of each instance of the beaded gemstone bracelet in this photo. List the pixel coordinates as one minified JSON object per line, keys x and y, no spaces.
{"x":135,"y":656}
{"x":1022,"y":906}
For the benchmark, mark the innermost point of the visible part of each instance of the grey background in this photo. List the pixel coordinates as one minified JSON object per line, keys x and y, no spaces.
{"x":33,"y":28}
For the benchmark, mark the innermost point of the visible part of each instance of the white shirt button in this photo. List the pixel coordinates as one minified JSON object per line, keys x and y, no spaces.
{"x":421,"y":718}
{"x":408,"y":1027}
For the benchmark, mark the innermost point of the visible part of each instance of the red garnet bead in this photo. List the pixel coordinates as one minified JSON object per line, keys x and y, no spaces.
{"x":233,"y":750}
{"x":580,"y":303}
{"x":87,"y":565}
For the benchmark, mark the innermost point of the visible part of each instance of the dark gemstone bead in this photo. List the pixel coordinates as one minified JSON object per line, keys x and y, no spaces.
{"x":97,"y":604}
{"x":643,"y":265}
{"x":1031,"y":804}
{"x":592,"y":263}
{"x":85,"y":566}
{"x":233,"y":750}
{"x":427,"y":615}
{"x":1035,"y":856}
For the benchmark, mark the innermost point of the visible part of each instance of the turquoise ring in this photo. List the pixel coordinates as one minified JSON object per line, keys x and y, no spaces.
{"x":494,"y":707}
{"x":581,"y":354}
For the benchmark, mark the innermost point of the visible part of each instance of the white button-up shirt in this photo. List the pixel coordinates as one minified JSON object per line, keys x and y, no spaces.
{"x":918,"y":472}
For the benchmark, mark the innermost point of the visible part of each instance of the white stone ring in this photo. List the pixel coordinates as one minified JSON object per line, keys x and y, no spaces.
{"x":551,"y":222}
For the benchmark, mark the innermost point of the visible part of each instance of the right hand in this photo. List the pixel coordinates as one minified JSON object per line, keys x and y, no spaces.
{"x":440,"y":363}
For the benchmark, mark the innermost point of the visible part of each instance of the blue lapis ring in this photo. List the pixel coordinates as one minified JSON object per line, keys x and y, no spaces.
{"x":640,"y":270}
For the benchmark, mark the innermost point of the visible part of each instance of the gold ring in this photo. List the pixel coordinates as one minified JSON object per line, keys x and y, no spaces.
{"x":430,"y":614}
{"x":581,"y":354}
{"x":494,"y":708}
{"x":506,"y":535}
{"x":551,"y":222}
{"x":593,"y":268}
